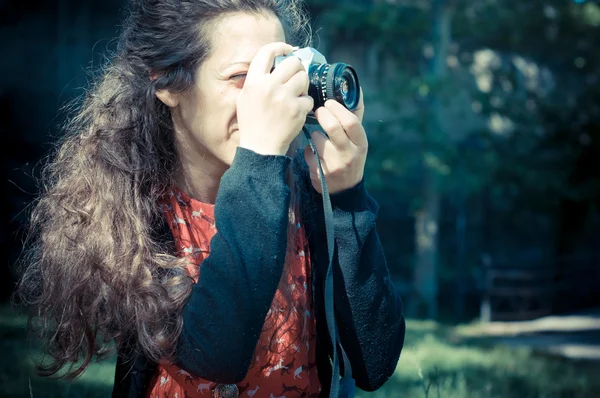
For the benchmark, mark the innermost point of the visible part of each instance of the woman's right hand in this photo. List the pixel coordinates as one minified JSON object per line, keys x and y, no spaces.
{"x":272,"y":106}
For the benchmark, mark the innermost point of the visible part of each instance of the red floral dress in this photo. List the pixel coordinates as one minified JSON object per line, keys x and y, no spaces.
{"x":284,"y":358}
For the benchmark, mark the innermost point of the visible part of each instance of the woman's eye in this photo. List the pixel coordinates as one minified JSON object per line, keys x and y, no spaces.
{"x":238,"y":76}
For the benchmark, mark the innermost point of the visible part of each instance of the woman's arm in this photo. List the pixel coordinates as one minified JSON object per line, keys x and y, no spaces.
{"x":368,"y":309}
{"x":224,"y":316}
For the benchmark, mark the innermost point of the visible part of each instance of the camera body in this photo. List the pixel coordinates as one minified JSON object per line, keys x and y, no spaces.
{"x":336,"y":81}
{"x":307,"y":55}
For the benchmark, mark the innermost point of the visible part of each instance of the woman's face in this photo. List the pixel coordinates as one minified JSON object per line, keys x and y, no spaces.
{"x":205,"y":116}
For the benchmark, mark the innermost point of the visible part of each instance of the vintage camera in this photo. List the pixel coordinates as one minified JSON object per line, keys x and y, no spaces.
{"x":336,"y":81}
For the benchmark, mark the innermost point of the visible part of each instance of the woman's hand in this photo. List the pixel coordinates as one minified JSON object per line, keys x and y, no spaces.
{"x":272,"y":106}
{"x":344,"y":154}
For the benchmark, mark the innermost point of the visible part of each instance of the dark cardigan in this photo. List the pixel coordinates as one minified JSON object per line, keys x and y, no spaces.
{"x":224,"y":314}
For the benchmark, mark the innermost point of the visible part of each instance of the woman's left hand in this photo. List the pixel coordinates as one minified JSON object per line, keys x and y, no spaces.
{"x":344,"y":154}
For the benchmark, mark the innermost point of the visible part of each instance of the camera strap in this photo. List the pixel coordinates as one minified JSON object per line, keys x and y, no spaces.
{"x":343,"y":388}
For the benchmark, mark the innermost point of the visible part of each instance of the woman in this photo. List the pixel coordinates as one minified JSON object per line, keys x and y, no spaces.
{"x":181,"y":222}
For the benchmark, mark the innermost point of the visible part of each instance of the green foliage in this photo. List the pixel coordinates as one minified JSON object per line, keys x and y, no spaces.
{"x":535,"y":101}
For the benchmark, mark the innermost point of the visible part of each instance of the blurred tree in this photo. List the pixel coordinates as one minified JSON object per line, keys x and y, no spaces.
{"x":427,"y":216}
{"x":487,"y":138}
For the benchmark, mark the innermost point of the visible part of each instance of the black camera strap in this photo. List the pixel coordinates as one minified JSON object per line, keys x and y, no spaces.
{"x":343,"y":388}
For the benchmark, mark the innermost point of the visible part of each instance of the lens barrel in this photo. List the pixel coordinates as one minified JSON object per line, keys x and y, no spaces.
{"x":336,"y":81}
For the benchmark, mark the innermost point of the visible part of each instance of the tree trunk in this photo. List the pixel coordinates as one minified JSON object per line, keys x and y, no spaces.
{"x":461,"y":257}
{"x":426,"y":225}
{"x":427,"y":219}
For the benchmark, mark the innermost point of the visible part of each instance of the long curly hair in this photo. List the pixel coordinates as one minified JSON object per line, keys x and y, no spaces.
{"x":95,"y":272}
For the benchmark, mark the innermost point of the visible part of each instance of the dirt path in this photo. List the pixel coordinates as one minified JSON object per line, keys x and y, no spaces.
{"x":575,"y":336}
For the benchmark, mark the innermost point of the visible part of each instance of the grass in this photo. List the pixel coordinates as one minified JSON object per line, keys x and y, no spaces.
{"x":436,"y":362}
{"x":17,"y":370}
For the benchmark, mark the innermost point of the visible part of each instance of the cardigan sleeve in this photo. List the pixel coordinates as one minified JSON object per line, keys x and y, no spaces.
{"x":368,"y":309}
{"x":224,"y":315}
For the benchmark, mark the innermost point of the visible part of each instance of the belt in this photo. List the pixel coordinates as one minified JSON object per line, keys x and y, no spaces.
{"x":225,"y":391}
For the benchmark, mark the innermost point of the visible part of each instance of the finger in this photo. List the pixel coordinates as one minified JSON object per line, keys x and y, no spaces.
{"x":360,"y":108}
{"x":298,"y":83}
{"x":332,"y":127}
{"x":350,"y":123}
{"x":263,"y":60}
{"x":287,"y":69}
{"x":308,"y":103}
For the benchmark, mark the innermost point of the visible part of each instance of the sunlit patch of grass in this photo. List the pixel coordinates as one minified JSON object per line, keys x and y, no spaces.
{"x":437,"y":363}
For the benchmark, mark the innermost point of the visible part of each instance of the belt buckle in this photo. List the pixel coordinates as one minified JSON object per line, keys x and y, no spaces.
{"x":225,"y":391}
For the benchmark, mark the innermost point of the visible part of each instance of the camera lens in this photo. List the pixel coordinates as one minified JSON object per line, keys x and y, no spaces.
{"x":337,"y":81}
{"x":342,"y":83}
